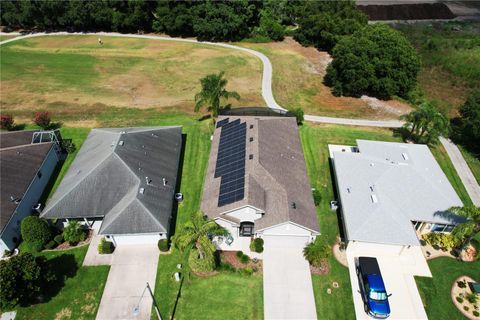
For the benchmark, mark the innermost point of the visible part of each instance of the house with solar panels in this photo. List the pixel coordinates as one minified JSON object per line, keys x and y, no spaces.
{"x":122,"y":183}
{"x":256,"y":183}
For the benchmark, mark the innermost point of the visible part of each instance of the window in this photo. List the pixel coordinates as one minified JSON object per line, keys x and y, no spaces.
{"x":378,"y":295}
{"x":251,"y":126}
{"x":250,"y":157}
{"x":39,"y":175}
{"x":246,"y":229}
{"x":251,"y":139}
{"x":442,"y":228}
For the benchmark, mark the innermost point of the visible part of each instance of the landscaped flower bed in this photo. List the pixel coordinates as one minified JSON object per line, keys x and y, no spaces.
{"x":464,"y":299}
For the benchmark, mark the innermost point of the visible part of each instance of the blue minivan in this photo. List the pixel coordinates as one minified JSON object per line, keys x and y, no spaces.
{"x":372,"y":288}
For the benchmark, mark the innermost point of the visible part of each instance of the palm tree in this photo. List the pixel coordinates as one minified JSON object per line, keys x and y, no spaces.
{"x":194,"y":234}
{"x":469,"y":229}
{"x":213,"y":91}
{"x":426,"y":123}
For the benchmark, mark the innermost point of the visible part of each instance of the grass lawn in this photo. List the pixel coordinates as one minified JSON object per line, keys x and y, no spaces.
{"x":472,"y":161}
{"x":75,"y":294}
{"x":315,"y":138}
{"x":298,"y":82}
{"x":77,"y":75}
{"x":450,"y":54}
{"x":4,"y":37}
{"x":435,"y":291}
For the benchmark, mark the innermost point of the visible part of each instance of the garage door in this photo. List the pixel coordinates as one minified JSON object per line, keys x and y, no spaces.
{"x":287,"y":283}
{"x":135,"y":239}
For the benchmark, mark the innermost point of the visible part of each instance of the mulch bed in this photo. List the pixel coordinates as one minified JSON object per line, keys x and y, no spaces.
{"x":230,"y":257}
{"x":321,"y":270}
{"x":65,"y":245}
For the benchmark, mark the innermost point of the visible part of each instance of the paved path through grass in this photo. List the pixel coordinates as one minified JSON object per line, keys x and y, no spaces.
{"x":463,"y":170}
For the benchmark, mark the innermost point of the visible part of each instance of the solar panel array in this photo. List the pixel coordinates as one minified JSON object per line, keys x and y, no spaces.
{"x":230,"y":164}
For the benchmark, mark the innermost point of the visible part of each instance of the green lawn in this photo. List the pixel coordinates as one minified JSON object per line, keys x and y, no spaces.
{"x":446,"y":164}
{"x":472,"y":161}
{"x":74,"y":74}
{"x":75,"y":294}
{"x":435,"y":291}
{"x":315,"y":138}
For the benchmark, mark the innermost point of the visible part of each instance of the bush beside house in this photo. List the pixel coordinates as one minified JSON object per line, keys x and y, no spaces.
{"x":105,"y":247}
{"x":73,"y":232}
{"x":163,"y":245}
{"x":35,"y":232}
{"x":257,"y":245}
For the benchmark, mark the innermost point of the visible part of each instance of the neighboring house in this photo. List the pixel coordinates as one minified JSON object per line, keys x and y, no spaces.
{"x":257,"y":183}
{"x":125,"y":178}
{"x":27,"y":162}
{"x":390,"y":192}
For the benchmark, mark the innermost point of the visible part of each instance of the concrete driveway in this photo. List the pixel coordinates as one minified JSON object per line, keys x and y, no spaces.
{"x":398,"y":275}
{"x":131,"y":267}
{"x":287,"y":282}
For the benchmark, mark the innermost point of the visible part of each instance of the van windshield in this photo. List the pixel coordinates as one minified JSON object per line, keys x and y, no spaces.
{"x":378,"y":295}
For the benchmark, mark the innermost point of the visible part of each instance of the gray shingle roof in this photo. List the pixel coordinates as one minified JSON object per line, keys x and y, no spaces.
{"x":274,"y":179}
{"x":106,"y":176}
{"x":19,"y":163}
{"x":407,"y":185}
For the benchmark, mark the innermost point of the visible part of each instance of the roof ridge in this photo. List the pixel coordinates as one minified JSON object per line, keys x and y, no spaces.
{"x":131,"y":194}
{"x":25,"y":145}
{"x":52,"y":204}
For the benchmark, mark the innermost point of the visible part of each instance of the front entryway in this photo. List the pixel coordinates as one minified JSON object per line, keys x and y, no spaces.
{"x":287,"y":282}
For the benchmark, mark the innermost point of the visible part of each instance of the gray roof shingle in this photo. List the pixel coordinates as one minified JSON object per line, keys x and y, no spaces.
{"x":274,"y":179}
{"x":19,"y":163}
{"x":407,"y":185}
{"x":105,"y":180}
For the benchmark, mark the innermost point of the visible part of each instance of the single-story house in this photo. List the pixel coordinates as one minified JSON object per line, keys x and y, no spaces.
{"x":390,"y":193}
{"x":26,"y":162}
{"x":124,"y":178}
{"x":256,"y":183}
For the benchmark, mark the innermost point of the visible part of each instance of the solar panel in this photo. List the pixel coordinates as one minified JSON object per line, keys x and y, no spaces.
{"x":230,"y":165}
{"x":222,"y":122}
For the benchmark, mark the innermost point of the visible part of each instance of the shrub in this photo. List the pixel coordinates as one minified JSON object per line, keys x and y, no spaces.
{"x":105,"y":247}
{"x":58,"y":238}
{"x":50,"y":245}
{"x":33,"y":246}
{"x":444,"y":240}
{"x":472,"y":298}
{"x":466,"y":308}
{"x":6,"y":121}
{"x":7,"y":253}
{"x":315,"y":252}
{"x":244,"y":259}
{"x":257,"y":245}
{"x":23,"y":277}
{"x":42,"y":119}
{"x":317,"y":197}
{"x":73,"y":232}
{"x":475,"y":313}
{"x":462,"y":284}
{"x":239,"y":254}
{"x":248,"y":271}
{"x":198,"y":264}
{"x":163,"y":245}
{"x":298,"y":114}
{"x":68,"y":145}
{"x":35,"y":229}
{"x":459,"y":299}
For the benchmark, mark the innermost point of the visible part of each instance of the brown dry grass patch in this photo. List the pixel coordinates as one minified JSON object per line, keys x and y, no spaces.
{"x":65,"y":313}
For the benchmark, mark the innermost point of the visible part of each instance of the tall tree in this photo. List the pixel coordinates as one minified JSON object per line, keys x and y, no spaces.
{"x":426,"y":124}
{"x":469,"y":229}
{"x":466,"y":128}
{"x":212,"y":94}
{"x":194,"y":234}
{"x":377,"y":61}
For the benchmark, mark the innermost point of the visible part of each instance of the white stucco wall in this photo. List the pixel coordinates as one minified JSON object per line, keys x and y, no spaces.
{"x":245,"y":214}
{"x":230,"y":227}
{"x":136,"y":239}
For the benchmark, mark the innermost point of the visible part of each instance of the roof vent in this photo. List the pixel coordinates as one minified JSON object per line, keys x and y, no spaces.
{"x":348,"y":190}
{"x":120,"y":143}
{"x":250,"y":156}
{"x":164,"y":182}
{"x":374,"y":198}
{"x":294,"y":205}
{"x":112,"y":144}
{"x":371,"y":188}
{"x":405,"y":156}
{"x":372,"y":164}
{"x":148,"y":180}
{"x":141,"y":191}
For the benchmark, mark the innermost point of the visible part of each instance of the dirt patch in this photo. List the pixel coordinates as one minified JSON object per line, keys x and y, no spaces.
{"x":322,"y":269}
{"x":387,"y":106}
{"x":65,"y":313}
{"x":88,"y":309}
